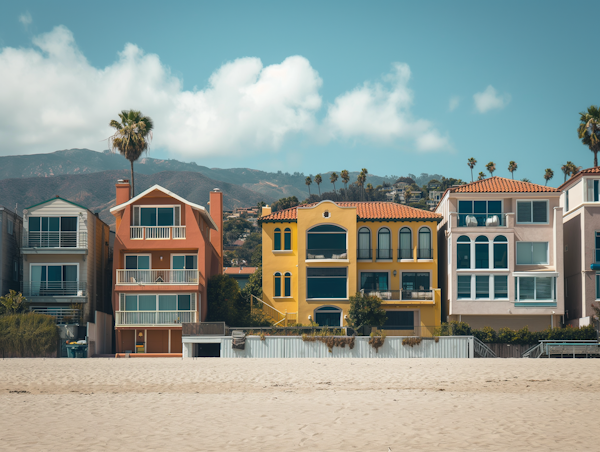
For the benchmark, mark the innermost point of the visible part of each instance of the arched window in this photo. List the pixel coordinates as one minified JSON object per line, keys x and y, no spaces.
{"x":277,"y":284}
{"x":405,"y":251}
{"x":424,"y":251}
{"x":277,"y":239}
{"x":328,"y":316}
{"x":364,"y":243}
{"x":287,"y":239}
{"x":287,"y":286}
{"x":463,"y":252}
{"x":482,"y":252}
{"x":500,"y":252}
{"x":326,"y":241}
{"x":384,"y":244}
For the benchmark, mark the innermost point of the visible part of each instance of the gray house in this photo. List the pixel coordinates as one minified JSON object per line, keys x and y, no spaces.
{"x":11,"y":227}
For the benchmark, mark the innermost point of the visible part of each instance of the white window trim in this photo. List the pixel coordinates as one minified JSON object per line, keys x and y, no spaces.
{"x":412,"y":244}
{"x":518,"y":277}
{"x":532,"y":201}
{"x":194,"y":296}
{"x":492,"y":287}
{"x":472,"y":244}
{"x":140,"y":206}
{"x":542,"y":263}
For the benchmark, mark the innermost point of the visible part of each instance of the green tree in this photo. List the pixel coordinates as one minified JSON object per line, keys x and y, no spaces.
{"x":512,"y":167}
{"x":491,"y":167}
{"x":234,"y":228}
{"x":369,"y":190}
{"x":132,"y":137}
{"x":345,"y":177}
{"x":548,"y":174}
{"x":471,"y":162}
{"x":307,"y":182}
{"x":333,"y":178}
{"x":284,"y":203}
{"x":256,"y":258}
{"x":318,"y":180}
{"x":13,"y":303}
{"x":366,"y":311}
{"x":565,"y":169}
{"x":223,"y":293}
{"x":246,"y":251}
{"x":481,"y":175}
{"x":254,"y":285}
{"x":589,"y":130}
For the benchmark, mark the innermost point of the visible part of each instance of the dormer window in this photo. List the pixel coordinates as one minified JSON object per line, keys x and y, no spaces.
{"x":156,"y":216}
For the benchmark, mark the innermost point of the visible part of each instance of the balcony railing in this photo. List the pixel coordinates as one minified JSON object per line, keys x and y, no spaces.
{"x":400,"y":295}
{"x":405,"y":253}
{"x":364,"y":253}
{"x":157,"y":232}
{"x":157,"y":277}
{"x":326,"y":254}
{"x":481,"y":220}
{"x":54,"y":289}
{"x":154,"y":317}
{"x":62,"y":315}
{"x":383,"y":253}
{"x":424,"y":253}
{"x":54,"y":239}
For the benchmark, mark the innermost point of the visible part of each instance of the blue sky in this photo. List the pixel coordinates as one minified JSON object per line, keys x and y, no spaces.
{"x":311,"y":87}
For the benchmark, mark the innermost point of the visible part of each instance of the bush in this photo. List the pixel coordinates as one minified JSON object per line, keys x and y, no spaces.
{"x":366,"y":311}
{"x":28,"y":335}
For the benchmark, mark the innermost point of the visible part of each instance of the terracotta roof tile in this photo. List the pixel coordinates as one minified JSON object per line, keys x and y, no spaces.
{"x":374,"y":210}
{"x":238,"y":270}
{"x":575,"y":177}
{"x":498,"y":184}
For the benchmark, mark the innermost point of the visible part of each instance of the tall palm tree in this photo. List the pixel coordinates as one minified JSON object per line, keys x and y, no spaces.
{"x":573,"y":169}
{"x":318,"y":180}
{"x":132,"y":137}
{"x":481,"y":175}
{"x":345,"y":177}
{"x":308,"y":181}
{"x":491,"y":167}
{"x":565,"y":169}
{"x":333,"y":178}
{"x":471,"y":162}
{"x":360,"y":181}
{"x":589,"y":130}
{"x":512,"y":167}
{"x":369,"y":190}
{"x":549,"y":174}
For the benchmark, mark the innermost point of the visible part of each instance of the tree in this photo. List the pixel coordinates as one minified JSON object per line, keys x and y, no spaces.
{"x":132,"y":137}
{"x":318,"y":180}
{"x":491,"y":167}
{"x":565,"y":169}
{"x":366,"y":311}
{"x":308,"y":181}
{"x":481,"y":175}
{"x":13,"y":303}
{"x":573,"y":169}
{"x":512,"y":167}
{"x":345,"y":177}
{"x":223,"y":294}
{"x":369,"y":190}
{"x":471,"y":162}
{"x":284,"y":203}
{"x":589,"y":130}
{"x":333,"y":178}
{"x":525,"y":180}
{"x":407,"y":195}
{"x":361,"y":179}
{"x":253,"y":286}
{"x":234,"y":228}
{"x":549,"y":174}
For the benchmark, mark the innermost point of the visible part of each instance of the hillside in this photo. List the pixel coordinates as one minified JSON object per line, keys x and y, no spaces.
{"x":96,"y":191}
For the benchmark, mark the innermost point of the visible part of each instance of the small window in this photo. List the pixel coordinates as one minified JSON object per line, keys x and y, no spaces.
{"x":532,"y":253}
{"x":424,"y":251}
{"x":567,"y":201}
{"x":500,"y":286}
{"x":10,"y":226}
{"x":137,"y":262}
{"x":463,"y":252}
{"x":287,"y":239}
{"x":597,"y":286}
{"x":464,"y":286}
{"x":288,"y":285}
{"x":364,"y":243}
{"x":482,"y":286}
{"x":278,"y":284}
{"x":597,"y":253}
{"x":384,"y":244}
{"x":482,"y":252}
{"x":533,"y":212}
{"x":277,"y":239}
{"x":406,"y":246}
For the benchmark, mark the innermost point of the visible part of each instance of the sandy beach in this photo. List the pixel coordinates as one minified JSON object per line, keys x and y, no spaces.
{"x":290,"y":405}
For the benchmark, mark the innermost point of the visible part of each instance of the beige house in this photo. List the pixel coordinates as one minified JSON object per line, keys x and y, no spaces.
{"x":580,"y":200}
{"x":501,"y":256}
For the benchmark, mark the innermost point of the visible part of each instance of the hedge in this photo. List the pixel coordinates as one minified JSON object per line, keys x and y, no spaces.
{"x":28,"y":335}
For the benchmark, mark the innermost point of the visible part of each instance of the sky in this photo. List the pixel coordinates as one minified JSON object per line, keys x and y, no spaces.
{"x":395,"y":87}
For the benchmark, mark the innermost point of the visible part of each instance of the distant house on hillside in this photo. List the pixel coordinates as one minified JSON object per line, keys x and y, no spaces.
{"x":240,"y":274}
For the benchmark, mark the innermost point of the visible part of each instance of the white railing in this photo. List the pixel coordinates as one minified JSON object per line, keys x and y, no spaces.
{"x":55,"y":239}
{"x":54,"y":288}
{"x":62,"y":315}
{"x":142,"y":277}
{"x":154,"y":317}
{"x":157,"y":232}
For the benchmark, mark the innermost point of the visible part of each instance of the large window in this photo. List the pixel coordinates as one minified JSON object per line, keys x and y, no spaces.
{"x":384,"y":244}
{"x":532,"y":212}
{"x":483,"y":287}
{"x":364,"y":243}
{"x":326,"y":242}
{"x":327,"y":283}
{"x":54,"y":279}
{"x":406,"y":244}
{"x":463,"y":252}
{"x":399,"y":320}
{"x":52,"y":232}
{"x":532,"y":253}
{"x":156,"y":216}
{"x":328,"y":316}
{"x":414,"y":281}
{"x":374,"y":281}
{"x":153,"y":302}
{"x":482,"y":252}
{"x":464,"y":286}
{"x":425,"y":250}
{"x":592,"y":190}
{"x":500,"y":252}
{"x":534,"y":288}
{"x":480,"y":213}
{"x":185,"y":262}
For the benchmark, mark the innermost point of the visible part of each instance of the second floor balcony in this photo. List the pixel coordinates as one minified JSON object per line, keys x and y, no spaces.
{"x":55,"y":239}
{"x":401,"y":295}
{"x":332,"y":254}
{"x":474,"y":220}
{"x":157,"y":277}
{"x":54,"y":288}
{"x":157,"y":232}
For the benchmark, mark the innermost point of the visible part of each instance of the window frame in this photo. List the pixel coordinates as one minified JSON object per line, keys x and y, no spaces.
{"x":472,"y":244}
{"x":366,"y":231}
{"x":430,"y":232}
{"x":287,"y":237}
{"x":518,"y":299}
{"x":412,"y":244}
{"x":389,"y":280}
{"x":340,"y":277}
{"x":137,"y":255}
{"x":518,"y":201}
{"x":276,"y":239}
{"x":416,"y":316}
{"x":194,"y":298}
{"x":532,"y":263}
{"x":473,"y":287}
{"x":277,"y":285}
{"x":391,"y":248}
{"x":287,"y":285}
{"x":176,"y":218}
{"x":185,"y":255}
{"x":332,"y":309}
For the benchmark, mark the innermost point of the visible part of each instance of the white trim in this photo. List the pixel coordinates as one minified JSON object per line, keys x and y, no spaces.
{"x":184,"y":255}
{"x":282,"y":251}
{"x":332,"y":309}
{"x":59,"y":264}
{"x":159,"y":206}
{"x":532,"y":223}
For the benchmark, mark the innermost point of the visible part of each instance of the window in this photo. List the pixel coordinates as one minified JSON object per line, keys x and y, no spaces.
{"x":412,"y":281}
{"x":328,"y":316}
{"x":374,"y":281}
{"x":533,"y":212}
{"x":326,"y":242}
{"x":500,"y":252}
{"x":592,"y":190}
{"x":364,"y":243}
{"x":287,"y":239}
{"x":532,"y":253}
{"x":137,"y":262}
{"x":399,"y":320}
{"x":534,"y":288}
{"x":277,"y":239}
{"x":327,"y":283}
{"x":10,"y":226}
{"x":597,"y":254}
{"x":482,"y":252}
{"x":156,"y":216}
{"x":597,"y":286}
{"x":53,"y":279}
{"x":482,"y":286}
{"x":288,"y":285}
{"x":477,"y":213}
{"x":567,"y":201}
{"x":52,"y":232}
{"x":277,"y":284}
{"x":500,"y":286}
{"x":384,"y":244}
{"x":463,"y":252}
{"x":15,"y":270}
{"x":185,"y":262}
{"x":406,"y":246}
{"x":153,"y":302}
{"x":464,"y":286}
{"x":167,"y":302}
{"x":424,"y":251}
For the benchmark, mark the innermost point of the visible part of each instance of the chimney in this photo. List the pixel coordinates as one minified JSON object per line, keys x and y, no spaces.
{"x":216,"y":212}
{"x":123,"y":191}
{"x":266,"y":210}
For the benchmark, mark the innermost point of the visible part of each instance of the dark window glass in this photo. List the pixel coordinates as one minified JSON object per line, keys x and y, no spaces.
{"x":327,"y":287}
{"x":500,"y":255}
{"x":540,"y":211}
{"x":328,"y":317}
{"x":500,"y":286}
{"x":148,"y":216}
{"x":320,"y":271}
{"x":464,"y":286}
{"x":494,"y":206}
{"x":400,"y":320}
{"x":482,"y":252}
{"x":523,"y":212}
{"x":147,"y":302}
{"x":465,"y":206}
{"x":463,"y":255}
{"x":482,"y":286}
{"x":326,"y":241}
{"x":34,"y":224}
{"x":415,"y":281}
{"x":287,"y":239}
{"x":68,"y":224}
{"x":131,"y":303}
{"x":374,"y":281}
{"x":184,"y":302}
{"x":167,"y":302}
{"x":526,"y":288}
{"x":277,"y":239}
{"x":288,"y":285}
{"x":131,"y":262}
{"x":165,"y":216}
{"x":479,"y":206}
{"x":327,"y":228}
{"x":277,"y":285}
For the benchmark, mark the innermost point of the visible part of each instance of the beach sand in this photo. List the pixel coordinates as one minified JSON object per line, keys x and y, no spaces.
{"x":302,"y":404}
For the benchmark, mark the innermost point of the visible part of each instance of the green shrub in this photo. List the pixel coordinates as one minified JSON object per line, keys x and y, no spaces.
{"x":28,"y":335}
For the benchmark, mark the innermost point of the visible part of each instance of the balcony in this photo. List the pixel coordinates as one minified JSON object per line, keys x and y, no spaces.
{"x":424,"y":253}
{"x":473,"y":220}
{"x":63,"y":316}
{"x":333,"y":254}
{"x":364,"y":254}
{"x":157,"y":232}
{"x":54,"y":239}
{"x":147,"y":318}
{"x":400,"y":295}
{"x":383,"y":253}
{"x":157,"y":277}
{"x":54,"y":289}
{"x":405,"y":253}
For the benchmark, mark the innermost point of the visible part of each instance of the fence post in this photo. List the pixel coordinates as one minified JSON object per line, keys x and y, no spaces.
{"x":471,"y":343}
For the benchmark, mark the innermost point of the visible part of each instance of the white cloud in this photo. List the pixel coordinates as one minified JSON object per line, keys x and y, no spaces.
{"x":381,"y":111}
{"x":454,"y":103}
{"x":25,"y":19}
{"x":489,"y":100}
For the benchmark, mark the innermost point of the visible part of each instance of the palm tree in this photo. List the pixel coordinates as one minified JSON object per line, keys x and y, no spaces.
{"x":589,"y":130}
{"x":318,"y":180}
{"x":573,"y":169}
{"x":13,"y":303}
{"x":481,"y":175}
{"x":565,"y":169}
{"x":360,"y":181}
{"x":333,"y":178}
{"x":345,"y":177}
{"x":472,"y":162}
{"x":525,"y":180}
{"x":407,"y":194}
{"x":369,"y":190}
{"x":549,"y":174}
{"x":491,"y":167}
{"x":132,"y":137}
{"x":512,"y":167}
{"x":308,"y":181}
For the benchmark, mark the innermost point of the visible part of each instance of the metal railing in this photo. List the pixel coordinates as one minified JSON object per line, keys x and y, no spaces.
{"x":54,"y":239}
{"x":54,"y":288}
{"x":166,"y":276}
{"x":481,"y":350}
{"x":400,"y":295}
{"x":157,"y":232}
{"x":481,"y":220}
{"x":154,"y":317}
{"x":62,"y":315}
{"x":275,"y":315}
{"x":204,"y":329}
{"x":571,"y":348}
{"x":383,"y":253}
{"x":366,"y":253}
{"x":326,"y":254}
{"x":405,"y":253}
{"x":423,"y":253}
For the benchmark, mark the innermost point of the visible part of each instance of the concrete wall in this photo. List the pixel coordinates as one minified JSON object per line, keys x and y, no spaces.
{"x":99,"y":334}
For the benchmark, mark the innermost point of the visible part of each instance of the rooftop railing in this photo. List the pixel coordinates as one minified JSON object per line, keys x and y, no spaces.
{"x":62,"y":315}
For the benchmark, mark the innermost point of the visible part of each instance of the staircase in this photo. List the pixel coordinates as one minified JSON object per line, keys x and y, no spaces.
{"x":481,"y":350}
{"x":277,"y":317}
{"x":564,"y":349}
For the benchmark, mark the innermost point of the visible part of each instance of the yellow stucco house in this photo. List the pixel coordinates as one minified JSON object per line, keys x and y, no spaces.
{"x":316,"y":256}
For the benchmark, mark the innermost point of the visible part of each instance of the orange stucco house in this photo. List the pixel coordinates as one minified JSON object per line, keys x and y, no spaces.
{"x":166,"y":249}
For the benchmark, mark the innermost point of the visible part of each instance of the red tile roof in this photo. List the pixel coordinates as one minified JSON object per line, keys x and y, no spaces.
{"x":575,"y":177}
{"x":238,"y":270}
{"x":498,"y":184}
{"x":372,"y":210}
